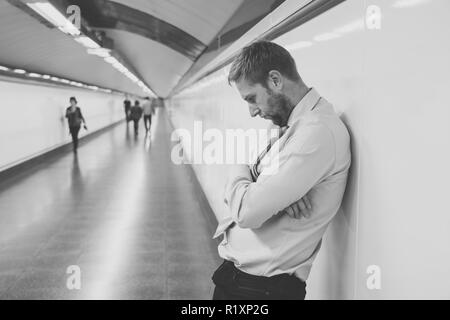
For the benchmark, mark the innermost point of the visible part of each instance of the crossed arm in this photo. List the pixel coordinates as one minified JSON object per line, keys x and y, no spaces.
{"x":303,"y":162}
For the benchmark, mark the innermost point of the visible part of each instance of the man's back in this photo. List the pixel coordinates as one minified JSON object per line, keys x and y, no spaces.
{"x":135,"y":112}
{"x":147,"y":108}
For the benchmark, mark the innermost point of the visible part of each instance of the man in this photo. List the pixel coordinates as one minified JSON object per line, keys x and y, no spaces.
{"x":148,"y":111}
{"x":276,"y":221}
{"x":135,"y":115}
{"x":127,"y":107}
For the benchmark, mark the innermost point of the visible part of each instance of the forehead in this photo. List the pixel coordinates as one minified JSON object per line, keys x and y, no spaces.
{"x":246,"y":88}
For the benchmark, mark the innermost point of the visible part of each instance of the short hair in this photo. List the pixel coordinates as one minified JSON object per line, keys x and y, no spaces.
{"x":73,"y":99}
{"x":255,"y":61}
{"x":136,"y":102}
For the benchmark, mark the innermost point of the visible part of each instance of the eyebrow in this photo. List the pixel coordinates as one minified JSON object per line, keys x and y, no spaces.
{"x":249,"y":96}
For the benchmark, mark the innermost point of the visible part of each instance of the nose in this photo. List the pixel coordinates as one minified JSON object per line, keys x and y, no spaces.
{"x":254,"y":110}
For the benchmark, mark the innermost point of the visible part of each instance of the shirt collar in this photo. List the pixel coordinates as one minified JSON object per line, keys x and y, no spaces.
{"x":305,"y":104}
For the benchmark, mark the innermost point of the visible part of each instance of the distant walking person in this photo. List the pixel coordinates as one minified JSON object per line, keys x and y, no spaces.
{"x":127,"y":107}
{"x":148,"y":112}
{"x":135,"y":115}
{"x":74,"y":119}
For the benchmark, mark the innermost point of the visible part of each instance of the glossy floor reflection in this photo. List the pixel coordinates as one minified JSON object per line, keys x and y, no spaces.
{"x":120,"y":211}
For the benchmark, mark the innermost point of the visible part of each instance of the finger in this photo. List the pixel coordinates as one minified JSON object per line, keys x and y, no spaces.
{"x":302,"y":206}
{"x":297,"y":211}
{"x":307,"y":202}
{"x":306,"y":212}
{"x":303,"y":209}
{"x":294,"y":211}
{"x":290,"y":212}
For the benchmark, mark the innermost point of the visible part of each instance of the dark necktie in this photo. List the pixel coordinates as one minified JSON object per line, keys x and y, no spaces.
{"x":254,"y":169}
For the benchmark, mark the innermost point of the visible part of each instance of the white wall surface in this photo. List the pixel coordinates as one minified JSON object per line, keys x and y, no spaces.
{"x":391,"y":86}
{"x":32,"y":117}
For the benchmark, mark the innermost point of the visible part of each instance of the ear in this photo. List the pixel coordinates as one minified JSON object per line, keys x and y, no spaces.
{"x":275,"y":80}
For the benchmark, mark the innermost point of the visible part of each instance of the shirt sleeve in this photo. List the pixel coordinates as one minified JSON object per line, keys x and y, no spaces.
{"x":304,"y":160}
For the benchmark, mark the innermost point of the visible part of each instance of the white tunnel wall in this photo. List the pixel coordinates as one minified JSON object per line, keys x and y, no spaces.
{"x":32,"y":117}
{"x":391,"y":86}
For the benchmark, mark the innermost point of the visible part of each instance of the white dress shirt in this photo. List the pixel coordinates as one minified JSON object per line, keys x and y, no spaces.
{"x":148,"y":108}
{"x":312,"y":157}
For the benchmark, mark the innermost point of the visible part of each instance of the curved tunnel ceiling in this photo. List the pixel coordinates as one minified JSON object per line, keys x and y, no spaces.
{"x":107,"y":14}
{"x":165,"y":41}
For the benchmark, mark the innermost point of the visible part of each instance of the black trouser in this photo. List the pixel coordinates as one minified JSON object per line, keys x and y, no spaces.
{"x":74,"y":133}
{"x":136,"y":125}
{"x":147,"y":118}
{"x":233,"y":284}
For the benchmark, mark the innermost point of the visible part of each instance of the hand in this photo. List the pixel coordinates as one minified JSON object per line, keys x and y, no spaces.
{"x":299,"y":208}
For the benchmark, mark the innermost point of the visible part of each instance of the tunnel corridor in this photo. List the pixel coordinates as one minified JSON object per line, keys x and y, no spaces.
{"x":119,"y":210}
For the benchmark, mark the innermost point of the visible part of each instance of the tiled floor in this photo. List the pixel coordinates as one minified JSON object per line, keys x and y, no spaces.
{"x":120,"y":211}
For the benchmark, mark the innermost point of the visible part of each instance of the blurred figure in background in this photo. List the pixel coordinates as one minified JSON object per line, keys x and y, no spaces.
{"x":74,"y":119}
{"x":135,"y":115}
{"x":148,"y":112}
{"x":127,"y":107}
{"x":158,"y":103}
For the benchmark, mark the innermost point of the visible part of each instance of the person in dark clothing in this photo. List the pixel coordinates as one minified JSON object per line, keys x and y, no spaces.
{"x":74,"y":119}
{"x":135,"y":115}
{"x":149,"y":110}
{"x":127,"y":107}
